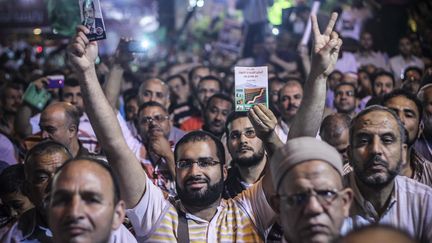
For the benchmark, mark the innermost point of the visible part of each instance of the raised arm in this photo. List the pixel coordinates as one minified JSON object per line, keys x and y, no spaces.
{"x":264,"y":123}
{"x":324,"y":56}
{"x":82,"y":55}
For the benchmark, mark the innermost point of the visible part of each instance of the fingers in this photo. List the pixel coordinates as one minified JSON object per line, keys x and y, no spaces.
{"x":267,"y":112}
{"x":331,"y":23}
{"x":82,"y":28}
{"x":315,"y":27}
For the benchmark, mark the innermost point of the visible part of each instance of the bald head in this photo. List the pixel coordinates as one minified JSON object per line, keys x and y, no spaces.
{"x":377,"y":233}
{"x":154,"y":90}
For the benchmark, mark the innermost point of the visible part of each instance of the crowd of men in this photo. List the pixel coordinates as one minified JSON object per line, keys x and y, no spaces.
{"x":336,"y":157}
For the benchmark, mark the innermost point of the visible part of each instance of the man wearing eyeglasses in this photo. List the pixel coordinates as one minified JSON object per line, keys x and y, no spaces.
{"x":312,"y":202}
{"x":345,"y":99}
{"x":199,"y":160}
{"x":247,"y":153}
{"x":159,"y":137}
{"x":377,"y":152}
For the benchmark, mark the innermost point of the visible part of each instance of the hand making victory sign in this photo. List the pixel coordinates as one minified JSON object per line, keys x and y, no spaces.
{"x":326,"y":47}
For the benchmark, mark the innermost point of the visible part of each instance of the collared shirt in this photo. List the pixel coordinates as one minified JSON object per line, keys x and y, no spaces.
{"x":409,"y":208}
{"x":423,"y":146}
{"x":7,"y":150}
{"x":30,"y":230}
{"x":377,"y":59}
{"x":246,"y":218}
{"x":422,"y":168}
{"x":398,"y":65}
{"x":282,"y":130}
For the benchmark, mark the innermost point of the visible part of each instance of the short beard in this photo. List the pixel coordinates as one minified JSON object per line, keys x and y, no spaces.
{"x":201,"y":199}
{"x":372,"y":180}
{"x":254,"y":160}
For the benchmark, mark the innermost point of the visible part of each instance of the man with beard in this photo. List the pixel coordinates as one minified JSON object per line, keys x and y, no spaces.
{"x":290,"y":98}
{"x":247,"y":153}
{"x":376,"y":152}
{"x":219,"y":106}
{"x":409,"y":110}
{"x":424,"y":143}
{"x":345,"y":99}
{"x":200,"y":160}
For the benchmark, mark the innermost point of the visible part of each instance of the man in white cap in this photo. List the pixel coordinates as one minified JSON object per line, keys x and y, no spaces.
{"x":311,"y":199}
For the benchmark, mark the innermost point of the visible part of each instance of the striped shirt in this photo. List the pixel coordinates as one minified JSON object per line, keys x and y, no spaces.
{"x":246,"y":218}
{"x":409,"y":208}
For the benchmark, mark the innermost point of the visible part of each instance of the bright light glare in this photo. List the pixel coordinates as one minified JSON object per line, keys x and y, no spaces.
{"x":145,"y":44}
{"x":200,"y":3}
{"x":37,"y":31}
{"x":275,"y":31}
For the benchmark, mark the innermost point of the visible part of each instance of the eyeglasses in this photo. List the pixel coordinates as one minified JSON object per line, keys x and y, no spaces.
{"x":325,"y":197}
{"x":237,"y":134}
{"x":158,"y":118}
{"x":201,"y":162}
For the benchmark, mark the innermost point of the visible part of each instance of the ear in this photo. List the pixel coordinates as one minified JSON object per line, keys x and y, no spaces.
{"x":224,"y":172}
{"x":119,"y":214}
{"x":404,"y":152}
{"x":347,"y":196}
{"x":420,"y":131}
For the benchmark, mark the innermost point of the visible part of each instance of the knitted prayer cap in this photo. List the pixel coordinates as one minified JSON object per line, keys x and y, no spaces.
{"x":299,"y":150}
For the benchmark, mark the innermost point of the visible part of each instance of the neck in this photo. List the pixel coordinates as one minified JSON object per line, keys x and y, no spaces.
{"x":251,"y":174}
{"x":206,"y":212}
{"x":74,"y":147}
{"x":406,"y":56}
{"x":378,"y":196}
{"x":288,"y":120}
{"x":408,"y":167}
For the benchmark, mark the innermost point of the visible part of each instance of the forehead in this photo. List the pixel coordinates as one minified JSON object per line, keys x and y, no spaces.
{"x":221,"y":103}
{"x":71,"y":89}
{"x":344,"y":87}
{"x":50,"y":161}
{"x":404,"y":41}
{"x":403,"y":102}
{"x":366,"y":35}
{"x":208,"y":82}
{"x":376,"y":121}
{"x":174,"y":81}
{"x":427,"y":95}
{"x":240,"y":124}
{"x":291,"y":89}
{"x":52,"y":114}
{"x":12,"y":91}
{"x":198,"y":149}
{"x":311,"y":174}
{"x":384,"y":78}
{"x":84,"y":175}
{"x":152,"y":110}
{"x":154,"y":85}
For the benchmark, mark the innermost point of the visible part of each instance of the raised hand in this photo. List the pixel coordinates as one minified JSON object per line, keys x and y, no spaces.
{"x":81,"y":52}
{"x":326,"y":47}
{"x":263,"y":121}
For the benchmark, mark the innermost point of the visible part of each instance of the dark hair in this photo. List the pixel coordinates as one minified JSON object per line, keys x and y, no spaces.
{"x":179,"y":76}
{"x":9,"y":85}
{"x":222,"y":97}
{"x":44,"y":147}
{"x":346,"y":83}
{"x":151,"y":104}
{"x":193,"y":70}
{"x":382,"y":73}
{"x":12,"y":179}
{"x":406,"y":94}
{"x":213,"y":78}
{"x":233,"y":116}
{"x":104,"y":165}
{"x":198,"y":136}
{"x":412,"y":68}
{"x":276,"y":79}
{"x":373,"y":108}
{"x":333,"y":126}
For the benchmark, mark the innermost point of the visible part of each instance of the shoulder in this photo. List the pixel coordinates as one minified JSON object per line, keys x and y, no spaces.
{"x":413,"y":188}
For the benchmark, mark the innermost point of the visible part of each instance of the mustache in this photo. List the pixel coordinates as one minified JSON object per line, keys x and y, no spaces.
{"x":376,"y":160}
{"x":290,"y":107}
{"x":245,"y":147}
{"x":196,"y":179}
